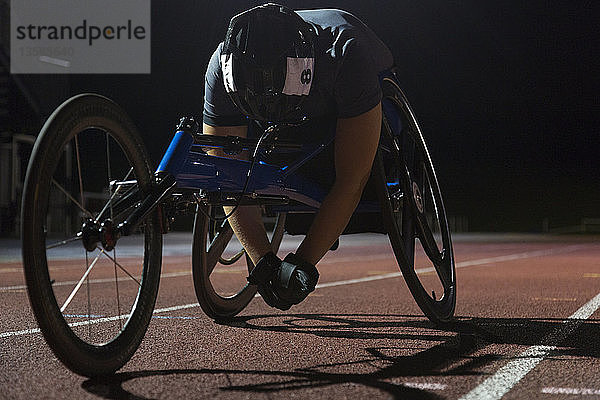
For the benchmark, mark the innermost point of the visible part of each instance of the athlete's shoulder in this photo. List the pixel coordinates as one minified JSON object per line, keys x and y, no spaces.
{"x":349,"y":57}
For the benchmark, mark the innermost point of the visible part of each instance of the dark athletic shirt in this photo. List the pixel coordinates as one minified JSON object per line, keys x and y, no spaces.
{"x":348,"y":59}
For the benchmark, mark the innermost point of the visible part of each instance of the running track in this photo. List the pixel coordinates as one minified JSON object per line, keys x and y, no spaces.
{"x":528,"y":326}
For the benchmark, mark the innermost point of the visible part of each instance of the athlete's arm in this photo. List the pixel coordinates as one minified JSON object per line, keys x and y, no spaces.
{"x":356,"y":141}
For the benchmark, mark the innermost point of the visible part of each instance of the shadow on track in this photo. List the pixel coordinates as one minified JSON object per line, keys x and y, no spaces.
{"x":520,"y":331}
{"x":282,"y":381}
{"x":453,"y":355}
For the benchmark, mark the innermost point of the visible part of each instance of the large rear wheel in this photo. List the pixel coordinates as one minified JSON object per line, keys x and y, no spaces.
{"x":413,"y":209}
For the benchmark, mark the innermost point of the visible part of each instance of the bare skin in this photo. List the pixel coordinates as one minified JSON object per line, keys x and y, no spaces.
{"x":356,"y":141}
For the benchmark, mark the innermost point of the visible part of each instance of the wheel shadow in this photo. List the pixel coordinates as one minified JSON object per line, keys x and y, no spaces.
{"x":458,"y":351}
{"x":581,"y":339}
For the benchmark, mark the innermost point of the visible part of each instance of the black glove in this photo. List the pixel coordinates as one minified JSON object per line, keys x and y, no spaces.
{"x":296,"y":279}
{"x":263,"y":274}
{"x":283,"y":283}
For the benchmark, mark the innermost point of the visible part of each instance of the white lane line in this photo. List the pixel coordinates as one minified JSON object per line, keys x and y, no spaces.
{"x":462,"y":264}
{"x":185,"y":273}
{"x":102,"y":280}
{"x":189,"y":272}
{"x":425,"y":386}
{"x":332,"y":260}
{"x":176,"y":308}
{"x":19,"y":333}
{"x":518,"y":256}
{"x":538,"y":253}
{"x":508,"y":376}
{"x":98,"y":320}
{"x":575,"y":391}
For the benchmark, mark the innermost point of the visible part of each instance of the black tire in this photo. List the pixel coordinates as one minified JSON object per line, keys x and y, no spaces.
{"x":413,"y":209}
{"x":86,"y":143}
{"x":209,"y":257}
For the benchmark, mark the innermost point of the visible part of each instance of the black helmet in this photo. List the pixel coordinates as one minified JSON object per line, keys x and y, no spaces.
{"x":268,"y":62}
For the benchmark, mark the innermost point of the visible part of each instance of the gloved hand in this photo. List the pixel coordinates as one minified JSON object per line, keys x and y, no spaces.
{"x":284,"y":283}
{"x":296,"y":279}
{"x":263,"y":274}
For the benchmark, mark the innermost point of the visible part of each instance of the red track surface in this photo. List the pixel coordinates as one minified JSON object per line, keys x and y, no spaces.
{"x":352,"y":340}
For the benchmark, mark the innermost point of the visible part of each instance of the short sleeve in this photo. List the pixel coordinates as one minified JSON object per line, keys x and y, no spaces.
{"x":356,"y":88}
{"x":219,"y":110}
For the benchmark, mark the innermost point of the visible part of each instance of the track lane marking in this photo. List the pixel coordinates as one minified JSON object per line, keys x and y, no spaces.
{"x":554,"y":299}
{"x":341,"y":260}
{"x":575,"y":391}
{"x":463,"y":264}
{"x":509,"y":375}
{"x":425,"y":386}
{"x":591,"y":275}
{"x":189,"y":272}
{"x":98,"y":320}
{"x":99,"y":280}
{"x":10,"y":270}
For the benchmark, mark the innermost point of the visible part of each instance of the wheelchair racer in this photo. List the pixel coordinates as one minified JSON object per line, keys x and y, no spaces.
{"x":279,"y":66}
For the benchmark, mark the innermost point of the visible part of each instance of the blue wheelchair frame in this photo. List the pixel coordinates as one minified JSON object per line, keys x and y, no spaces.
{"x":280,"y":186}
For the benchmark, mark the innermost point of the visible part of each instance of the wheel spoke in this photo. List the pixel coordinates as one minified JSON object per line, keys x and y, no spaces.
{"x":437,"y":258}
{"x":74,"y":292}
{"x":89,"y":297}
{"x":110,"y":200}
{"x":217,"y":246}
{"x":408,"y":233}
{"x":110,"y":192}
{"x":117,"y":288}
{"x":118,"y":265}
{"x":64,"y":242}
{"x":408,"y":215}
{"x":79,"y":168}
{"x":442,"y":269}
{"x":427,"y":239}
{"x":232,"y":260}
{"x":424,"y":231}
{"x":278,"y":232}
{"x":78,"y":204}
{"x":214,"y":226}
{"x":109,"y":171}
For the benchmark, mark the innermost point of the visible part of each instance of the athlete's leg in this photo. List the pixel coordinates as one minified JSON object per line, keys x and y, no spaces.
{"x":246,"y":221}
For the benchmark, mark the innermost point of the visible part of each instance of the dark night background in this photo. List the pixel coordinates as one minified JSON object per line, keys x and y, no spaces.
{"x":506,"y":93}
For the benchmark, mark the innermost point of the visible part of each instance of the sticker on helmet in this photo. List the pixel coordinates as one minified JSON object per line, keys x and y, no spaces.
{"x":226,"y":66}
{"x":299,"y":76}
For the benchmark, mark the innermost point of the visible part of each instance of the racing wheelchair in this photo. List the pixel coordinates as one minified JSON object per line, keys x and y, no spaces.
{"x":94,"y":211}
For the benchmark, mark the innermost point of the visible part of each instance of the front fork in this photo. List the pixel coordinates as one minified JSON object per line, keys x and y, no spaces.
{"x":102,"y":229}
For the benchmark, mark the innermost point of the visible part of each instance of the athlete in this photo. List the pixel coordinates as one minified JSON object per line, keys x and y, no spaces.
{"x":313,"y":71}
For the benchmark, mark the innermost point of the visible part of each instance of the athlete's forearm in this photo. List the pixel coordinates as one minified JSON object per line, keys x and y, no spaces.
{"x":330,"y":221}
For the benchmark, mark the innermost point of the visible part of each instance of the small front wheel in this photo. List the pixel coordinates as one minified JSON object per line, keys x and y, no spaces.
{"x":93,"y":305}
